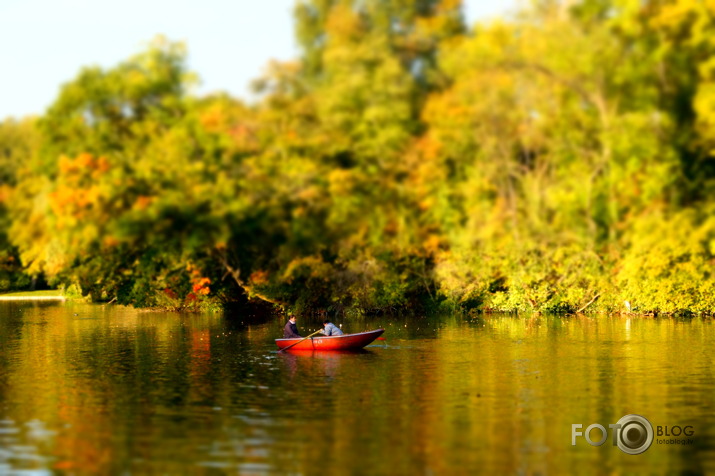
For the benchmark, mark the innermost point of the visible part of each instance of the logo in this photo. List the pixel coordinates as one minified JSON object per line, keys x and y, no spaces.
{"x":633,"y":434}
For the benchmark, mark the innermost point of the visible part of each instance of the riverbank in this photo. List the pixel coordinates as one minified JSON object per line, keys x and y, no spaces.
{"x":49,"y":295}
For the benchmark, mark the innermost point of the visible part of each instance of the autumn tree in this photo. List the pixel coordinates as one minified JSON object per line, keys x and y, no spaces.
{"x":18,"y":144}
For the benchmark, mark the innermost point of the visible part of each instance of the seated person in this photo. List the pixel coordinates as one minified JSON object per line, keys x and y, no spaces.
{"x":291,"y":330}
{"x":331,"y":329}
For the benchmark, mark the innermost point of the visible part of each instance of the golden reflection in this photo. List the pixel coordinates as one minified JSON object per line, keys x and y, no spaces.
{"x":119,"y":390}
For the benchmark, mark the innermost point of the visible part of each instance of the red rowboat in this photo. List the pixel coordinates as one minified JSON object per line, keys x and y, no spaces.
{"x":343,"y":342}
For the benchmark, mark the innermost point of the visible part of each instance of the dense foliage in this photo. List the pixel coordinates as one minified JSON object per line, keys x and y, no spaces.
{"x":560,"y":160}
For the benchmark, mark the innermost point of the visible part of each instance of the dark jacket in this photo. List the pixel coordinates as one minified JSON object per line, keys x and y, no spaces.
{"x":290,"y":330}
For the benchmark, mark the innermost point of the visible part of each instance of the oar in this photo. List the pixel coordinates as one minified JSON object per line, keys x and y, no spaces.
{"x":308,"y":337}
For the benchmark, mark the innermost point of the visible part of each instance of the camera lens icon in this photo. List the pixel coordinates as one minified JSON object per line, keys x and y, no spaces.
{"x":635,"y":434}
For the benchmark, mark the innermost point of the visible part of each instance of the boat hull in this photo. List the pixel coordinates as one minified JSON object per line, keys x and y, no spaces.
{"x":343,"y":342}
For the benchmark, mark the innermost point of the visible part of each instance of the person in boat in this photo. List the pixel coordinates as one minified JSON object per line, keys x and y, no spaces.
{"x":330,"y":329}
{"x":291,"y":330}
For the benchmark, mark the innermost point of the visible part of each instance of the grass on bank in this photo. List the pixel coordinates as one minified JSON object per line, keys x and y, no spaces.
{"x":46,"y":294}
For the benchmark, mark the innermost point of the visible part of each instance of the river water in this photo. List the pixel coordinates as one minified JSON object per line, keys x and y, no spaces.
{"x":91,"y":389}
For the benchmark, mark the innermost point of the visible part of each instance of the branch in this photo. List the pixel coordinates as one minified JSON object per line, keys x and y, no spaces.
{"x":249,"y":290}
{"x":589,"y":303}
{"x":594,"y":99}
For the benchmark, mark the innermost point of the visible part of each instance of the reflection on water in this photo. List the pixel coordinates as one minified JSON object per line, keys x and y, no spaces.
{"x":102,"y":389}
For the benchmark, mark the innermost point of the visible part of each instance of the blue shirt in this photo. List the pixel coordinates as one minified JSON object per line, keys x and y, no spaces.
{"x":332,"y":330}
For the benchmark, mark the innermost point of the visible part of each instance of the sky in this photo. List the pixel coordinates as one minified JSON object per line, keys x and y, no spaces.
{"x":46,"y":42}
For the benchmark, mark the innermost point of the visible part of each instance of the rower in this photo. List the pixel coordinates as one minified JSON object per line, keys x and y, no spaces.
{"x":331,"y":329}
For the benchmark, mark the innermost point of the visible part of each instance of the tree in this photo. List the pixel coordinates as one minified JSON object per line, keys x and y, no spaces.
{"x":18,"y":144}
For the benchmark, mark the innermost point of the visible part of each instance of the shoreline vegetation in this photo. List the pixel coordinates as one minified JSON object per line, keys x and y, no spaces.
{"x":559,"y":160}
{"x":58,"y":295}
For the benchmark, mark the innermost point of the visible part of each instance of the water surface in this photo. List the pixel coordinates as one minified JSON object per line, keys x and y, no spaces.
{"x":90,"y":389}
